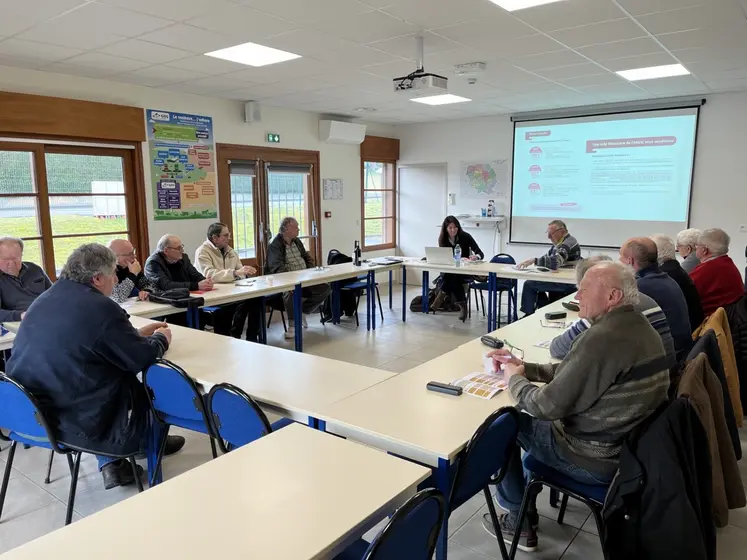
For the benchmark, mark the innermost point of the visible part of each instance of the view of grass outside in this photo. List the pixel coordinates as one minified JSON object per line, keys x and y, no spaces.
{"x":375,"y":204}
{"x":70,"y":215}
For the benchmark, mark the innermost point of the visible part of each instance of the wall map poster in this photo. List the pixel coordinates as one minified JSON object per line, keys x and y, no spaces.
{"x":182,"y":165}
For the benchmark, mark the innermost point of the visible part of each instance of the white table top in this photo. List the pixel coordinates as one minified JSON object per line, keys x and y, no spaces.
{"x":290,"y":383}
{"x":295,"y":494}
{"x":482,"y":268}
{"x":401,"y":416}
{"x":6,"y":341}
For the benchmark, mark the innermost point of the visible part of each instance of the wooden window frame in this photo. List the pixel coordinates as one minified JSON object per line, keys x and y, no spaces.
{"x":264,"y":154}
{"x":391,"y":179}
{"x":134,"y":188}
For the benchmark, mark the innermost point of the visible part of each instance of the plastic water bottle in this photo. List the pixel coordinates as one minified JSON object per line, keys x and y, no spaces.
{"x":458,"y":255}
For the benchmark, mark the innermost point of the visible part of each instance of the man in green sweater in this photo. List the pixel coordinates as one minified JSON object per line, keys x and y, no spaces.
{"x":615,"y":375}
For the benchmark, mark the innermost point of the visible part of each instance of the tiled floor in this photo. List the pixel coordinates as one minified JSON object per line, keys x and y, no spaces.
{"x":33,"y":508}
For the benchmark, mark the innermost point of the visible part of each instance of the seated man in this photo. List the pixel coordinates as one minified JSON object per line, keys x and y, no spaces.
{"x":565,"y":249}
{"x":217,"y":260}
{"x":286,"y":253}
{"x":717,"y":278}
{"x":641,"y":254}
{"x":77,"y":352}
{"x":612,"y":379}
{"x":562,"y":344}
{"x":132,"y":281}
{"x":686,"y":241}
{"x":668,"y":263}
{"x":20,"y":282}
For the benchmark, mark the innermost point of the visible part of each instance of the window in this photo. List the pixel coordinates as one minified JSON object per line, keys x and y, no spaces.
{"x":57,"y":198}
{"x":379,"y":205}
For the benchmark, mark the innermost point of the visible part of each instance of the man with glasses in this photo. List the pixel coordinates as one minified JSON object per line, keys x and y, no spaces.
{"x":614,"y":376}
{"x":565,"y":249}
{"x":218,"y":261}
{"x":132,"y":281}
{"x":169,"y":268}
{"x":686,"y":240}
{"x":716,"y":278}
{"x":20,"y":282}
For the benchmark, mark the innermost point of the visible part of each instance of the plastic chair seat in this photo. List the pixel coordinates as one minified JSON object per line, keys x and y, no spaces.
{"x":282,"y":423}
{"x":26,"y":440}
{"x":187,"y":423}
{"x":596,"y":492}
{"x":211,"y":309}
{"x":355,"y":286}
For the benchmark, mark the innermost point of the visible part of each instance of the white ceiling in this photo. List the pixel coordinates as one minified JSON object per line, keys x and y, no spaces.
{"x":558,"y":55}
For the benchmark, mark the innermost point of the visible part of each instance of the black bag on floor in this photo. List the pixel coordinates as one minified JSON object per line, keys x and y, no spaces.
{"x":347,"y":297}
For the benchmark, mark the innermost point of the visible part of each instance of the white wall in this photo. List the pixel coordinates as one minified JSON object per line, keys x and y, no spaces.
{"x":297,"y":130}
{"x":719,"y":190}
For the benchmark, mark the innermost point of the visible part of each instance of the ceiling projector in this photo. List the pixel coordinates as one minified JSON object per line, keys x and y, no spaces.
{"x":421,"y":83}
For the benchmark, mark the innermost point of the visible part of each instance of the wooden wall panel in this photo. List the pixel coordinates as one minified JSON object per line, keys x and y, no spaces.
{"x":380,"y":148}
{"x":38,"y":115}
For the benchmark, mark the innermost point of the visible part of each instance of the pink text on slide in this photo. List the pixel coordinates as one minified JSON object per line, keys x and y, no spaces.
{"x":645,"y":142}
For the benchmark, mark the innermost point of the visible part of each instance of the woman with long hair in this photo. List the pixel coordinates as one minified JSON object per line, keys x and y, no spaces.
{"x":452,"y":235}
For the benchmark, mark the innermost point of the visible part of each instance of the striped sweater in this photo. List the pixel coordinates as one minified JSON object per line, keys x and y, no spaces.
{"x":561,"y":344}
{"x":567,"y":250}
{"x":615,"y":375}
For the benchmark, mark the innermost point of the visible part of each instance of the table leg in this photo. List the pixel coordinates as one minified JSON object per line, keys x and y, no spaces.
{"x":336,"y":303}
{"x":496,"y":309}
{"x":426,"y":285}
{"x":368,"y":301}
{"x":491,"y":295}
{"x":443,"y":483}
{"x":313,"y":423}
{"x":372,"y":295}
{"x":263,"y":327}
{"x":390,"y":290}
{"x":404,"y":294}
{"x":298,"y":316}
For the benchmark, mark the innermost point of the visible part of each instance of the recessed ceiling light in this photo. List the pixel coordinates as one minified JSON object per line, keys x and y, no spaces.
{"x":653,"y":72}
{"x":514,"y":5}
{"x":253,"y":54}
{"x":445,"y":99}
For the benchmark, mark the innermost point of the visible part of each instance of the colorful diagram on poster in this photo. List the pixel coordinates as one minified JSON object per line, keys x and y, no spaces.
{"x":484,"y":180}
{"x":182,"y":166}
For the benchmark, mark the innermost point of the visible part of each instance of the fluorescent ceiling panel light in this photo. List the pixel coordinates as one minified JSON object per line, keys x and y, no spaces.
{"x":253,"y":54}
{"x":514,"y":5}
{"x":653,"y":72}
{"x":445,"y":99}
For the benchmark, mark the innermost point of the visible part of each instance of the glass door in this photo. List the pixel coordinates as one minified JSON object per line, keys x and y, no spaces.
{"x":247,"y":235}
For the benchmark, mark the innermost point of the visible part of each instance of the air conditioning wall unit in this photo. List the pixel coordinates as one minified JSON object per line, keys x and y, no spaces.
{"x":339,"y":132}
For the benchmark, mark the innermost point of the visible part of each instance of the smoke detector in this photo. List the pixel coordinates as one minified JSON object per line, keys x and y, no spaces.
{"x":469,"y":69}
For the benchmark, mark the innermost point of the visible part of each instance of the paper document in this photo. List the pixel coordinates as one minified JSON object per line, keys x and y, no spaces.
{"x":543,"y":344}
{"x":483,"y":385}
{"x":245,"y":282}
{"x":555,"y":324}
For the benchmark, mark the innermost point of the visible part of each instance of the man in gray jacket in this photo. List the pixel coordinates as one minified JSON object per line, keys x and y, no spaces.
{"x":614,"y":377}
{"x":20,"y":282}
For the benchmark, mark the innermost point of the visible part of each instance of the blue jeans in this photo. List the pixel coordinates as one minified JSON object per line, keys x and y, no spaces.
{"x":103,"y":460}
{"x":535,"y":437}
{"x":533,"y":294}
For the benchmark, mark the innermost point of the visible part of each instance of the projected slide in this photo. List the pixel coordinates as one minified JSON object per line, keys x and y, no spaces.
{"x":634,"y":168}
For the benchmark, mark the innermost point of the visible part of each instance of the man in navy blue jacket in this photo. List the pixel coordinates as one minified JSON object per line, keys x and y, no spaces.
{"x":642,"y":255}
{"x":77,"y":352}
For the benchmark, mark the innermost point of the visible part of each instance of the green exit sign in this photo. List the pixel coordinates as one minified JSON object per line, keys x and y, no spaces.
{"x":273,"y":138}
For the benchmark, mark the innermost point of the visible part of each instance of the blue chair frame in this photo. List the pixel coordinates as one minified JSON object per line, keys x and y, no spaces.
{"x":380,"y":549}
{"x":542,"y":475}
{"x":503,"y":285}
{"x":225,"y":443}
{"x":362,"y":285}
{"x":41,"y":435}
{"x":200,"y":422}
{"x":474,"y":473}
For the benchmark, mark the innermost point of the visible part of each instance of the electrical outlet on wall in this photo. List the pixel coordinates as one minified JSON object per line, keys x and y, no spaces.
{"x":742,"y":229}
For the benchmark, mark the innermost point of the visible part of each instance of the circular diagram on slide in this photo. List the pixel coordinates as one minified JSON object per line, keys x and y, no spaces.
{"x":536,"y":152}
{"x":534,"y":188}
{"x":535,"y":170}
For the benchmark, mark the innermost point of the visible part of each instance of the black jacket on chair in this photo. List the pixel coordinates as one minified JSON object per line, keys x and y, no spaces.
{"x":79,"y":355}
{"x":708,"y":345}
{"x":736,"y":313}
{"x":659,"y":504}
{"x":686,"y":284}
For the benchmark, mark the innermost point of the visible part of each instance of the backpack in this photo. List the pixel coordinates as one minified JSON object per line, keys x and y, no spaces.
{"x":347,"y":297}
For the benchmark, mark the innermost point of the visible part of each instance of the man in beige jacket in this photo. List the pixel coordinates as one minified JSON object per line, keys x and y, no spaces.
{"x":217,"y":260}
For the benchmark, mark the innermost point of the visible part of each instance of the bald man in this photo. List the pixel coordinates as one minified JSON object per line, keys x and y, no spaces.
{"x":169,"y":268}
{"x":641,"y":254}
{"x":132,"y":281}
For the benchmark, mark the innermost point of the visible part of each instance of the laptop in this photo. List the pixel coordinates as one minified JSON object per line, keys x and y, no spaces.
{"x":439,"y":255}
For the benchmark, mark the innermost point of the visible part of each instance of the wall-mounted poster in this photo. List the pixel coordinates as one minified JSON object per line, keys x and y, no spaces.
{"x":182,"y":166}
